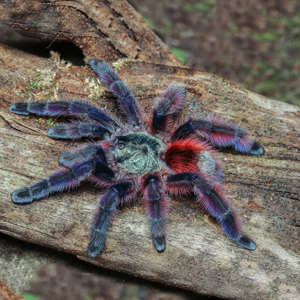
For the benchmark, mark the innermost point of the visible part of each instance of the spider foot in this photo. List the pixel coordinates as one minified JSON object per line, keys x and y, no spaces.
{"x":159,"y":243}
{"x":19,"y":109}
{"x":245,"y":242}
{"x":257,"y":149}
{"x":22,"y":196}
{"x":96,"y":243}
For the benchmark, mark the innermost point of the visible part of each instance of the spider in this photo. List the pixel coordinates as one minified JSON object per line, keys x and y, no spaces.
{"x":146,"y":155}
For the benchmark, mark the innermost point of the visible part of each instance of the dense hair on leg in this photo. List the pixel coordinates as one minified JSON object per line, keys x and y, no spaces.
{"x":219,"y":132}
{"x":186,"y":129}
{"x":213,"y":199}
{"x":72,"y":108}
{"x":83,"y":109}
{"x":77,"y":166}
{"x":86,"y":153}
{"x":168,"y":104}
{"x":47,"y":108}
{"x":61,"y":179}
{"x":119,"y":89}
{"x":102,"y":174}
{"x":156,"y":206}
{"x":77,"y":130}
{"x":104,"y":215}
{"x":102,"y":218}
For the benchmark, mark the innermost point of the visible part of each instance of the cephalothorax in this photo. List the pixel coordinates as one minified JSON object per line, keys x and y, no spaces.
{"x":147,"y":156}
{"x":139,"y":153}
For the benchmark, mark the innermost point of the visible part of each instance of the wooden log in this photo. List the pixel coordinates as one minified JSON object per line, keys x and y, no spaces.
{"x":110,"y":29}
{"x":199,"y":257}
{"x":7,"y":294}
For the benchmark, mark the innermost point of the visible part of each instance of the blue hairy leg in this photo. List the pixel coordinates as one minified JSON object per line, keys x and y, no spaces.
{"x":77,"y":165}
{"x":168,"y":104}
{"x":213,"y":200}
{"x":221,"y":133}
{"x":119,"y":89}
{"x":102,"y":174}
{"x":117,"y":194}
{"x":62,"y":179}
{"x":77,"y":130}
{"x":86,"y":153}
{"x":73,"y":108}
{"x":156,"y":206}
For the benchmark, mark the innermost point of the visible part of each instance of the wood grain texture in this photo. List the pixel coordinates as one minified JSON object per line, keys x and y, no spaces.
{"x":7,"y":294}
{"x":198,"y":257}
{"x":112,"y":29}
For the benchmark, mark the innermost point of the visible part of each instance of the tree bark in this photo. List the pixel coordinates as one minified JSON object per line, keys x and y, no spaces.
{"x":199,"y":257}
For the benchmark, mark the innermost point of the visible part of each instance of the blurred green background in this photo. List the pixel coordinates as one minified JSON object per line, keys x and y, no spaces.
{"x":253,"y":43}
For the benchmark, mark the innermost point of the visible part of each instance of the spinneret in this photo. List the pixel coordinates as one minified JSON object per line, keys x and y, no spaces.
{"x":130,"y":158}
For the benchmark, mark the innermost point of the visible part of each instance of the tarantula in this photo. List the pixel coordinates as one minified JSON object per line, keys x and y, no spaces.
{"x":148,"y":156}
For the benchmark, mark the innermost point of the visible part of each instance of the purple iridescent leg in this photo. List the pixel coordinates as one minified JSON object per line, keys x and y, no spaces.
{"x":119,"y":89}
{"x":102,"y":174}
{"x":62,"y":179}
{"x":73,"y":108}
{"x":77,"y":131}
{"x":78,"y":165}
{"x":213,"y":199}
{"x":156,"y":206}
{"x":86,"y":153}
{"x":104,"y":215}
{"x":221,"y":133}
{"x":168,"y":104}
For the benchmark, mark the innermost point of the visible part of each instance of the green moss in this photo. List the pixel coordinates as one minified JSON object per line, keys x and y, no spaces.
{"x":29,"y":296}
{"x":180,"y":54}
{"x":50,"y":122}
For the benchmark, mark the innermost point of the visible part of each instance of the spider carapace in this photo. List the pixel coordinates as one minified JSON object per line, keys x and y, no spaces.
{"x":146,"y":155}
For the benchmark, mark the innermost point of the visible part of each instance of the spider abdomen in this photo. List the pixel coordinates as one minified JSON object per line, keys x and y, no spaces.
{"x":190,"y":155}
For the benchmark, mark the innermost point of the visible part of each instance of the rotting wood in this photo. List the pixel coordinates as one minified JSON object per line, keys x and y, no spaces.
{"x":7,"y":294}
{"x":112,"y":29}
{"x":198,"y":257}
